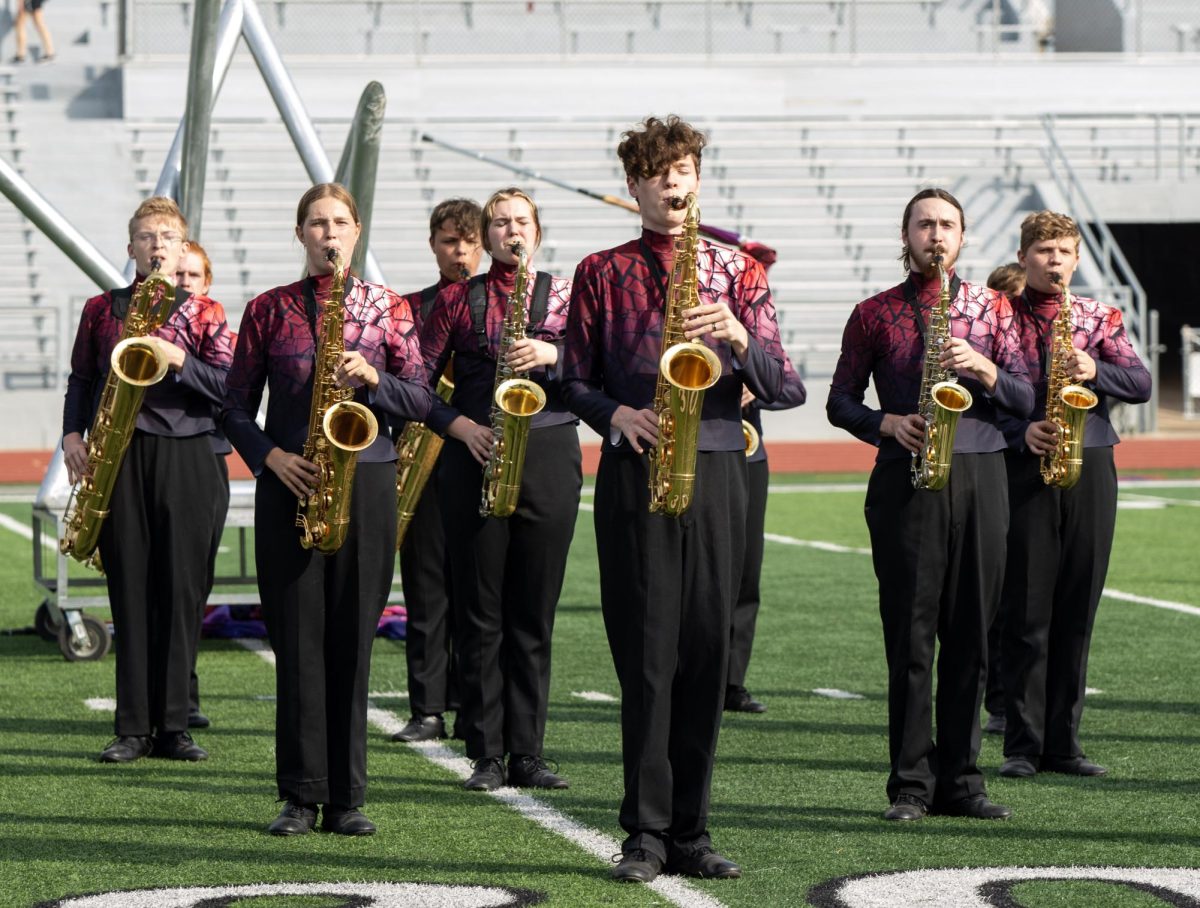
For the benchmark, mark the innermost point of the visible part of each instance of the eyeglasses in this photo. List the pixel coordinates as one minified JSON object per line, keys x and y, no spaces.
{"x":169,"y":238}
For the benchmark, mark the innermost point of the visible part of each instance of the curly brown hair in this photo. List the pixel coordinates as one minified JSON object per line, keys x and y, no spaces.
{"x":464,"y":214}
{"x":650,"y":150}
{"x":1048,"y":225}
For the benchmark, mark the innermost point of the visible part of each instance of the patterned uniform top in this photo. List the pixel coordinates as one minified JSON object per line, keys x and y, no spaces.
{"x":614,"y":335}
{"x":884,"y":340}
{"x":794,"y":395}
{"x":277,"y":348}
{"x":183,"y":403}
{"x":1099,"y":330}
{"x":416,"y":300}
{"x":450,"y":330}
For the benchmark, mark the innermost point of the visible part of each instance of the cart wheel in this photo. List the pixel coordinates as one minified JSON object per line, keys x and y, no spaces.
{"x":44,"y":623}
{"x":98,"y":641}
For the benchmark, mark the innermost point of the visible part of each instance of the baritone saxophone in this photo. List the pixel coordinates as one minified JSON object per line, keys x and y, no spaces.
{"x":135,"y":365}
{"x":686,"y":369}
{"x":338,"y":428}
{"x":1067,"y":403}
{"x":942,"y":399}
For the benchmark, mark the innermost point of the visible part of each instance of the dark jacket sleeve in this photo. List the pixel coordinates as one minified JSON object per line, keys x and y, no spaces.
{"x":84,"y":378}
{"x":845,"y":407}
{"x":244,"y":387}
{"x":583,"y":353}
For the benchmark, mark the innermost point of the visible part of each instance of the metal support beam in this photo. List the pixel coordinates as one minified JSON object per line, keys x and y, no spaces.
{"x":197,"y":118}
{"x":58,"y":229}
{"x":360,"y":162}
{"x":291,"y":110}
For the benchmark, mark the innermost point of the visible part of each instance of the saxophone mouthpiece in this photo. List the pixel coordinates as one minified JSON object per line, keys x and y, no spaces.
{"x":155,"y":264}
{"x":331,"y":254}
{"x":1055,"y":278}
{"x":516,"y":247}
{"x":677,"y":203}
{"x":464,"y":273}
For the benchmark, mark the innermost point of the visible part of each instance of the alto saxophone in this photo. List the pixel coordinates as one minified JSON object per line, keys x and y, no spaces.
{"x":1067,"y":404}
{"x":135,"y":365}
{"x":417,"y":451}
{"x":686,"y":370}
{"x":942,"y":398}
{"x":338,"y":428}
{"x":515,"y":401}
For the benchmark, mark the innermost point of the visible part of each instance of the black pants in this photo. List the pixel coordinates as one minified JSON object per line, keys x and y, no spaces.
{"x":508,"y":574}
{"x":745,"y":609}
{"x":939,"y":558}
{"x":667,"y":587}
{"x":1058,"y":547}
{"x":425,"y":575}
{"x":222,"y":507}
{"x":321,"y":613}
{"x":154,"y":545}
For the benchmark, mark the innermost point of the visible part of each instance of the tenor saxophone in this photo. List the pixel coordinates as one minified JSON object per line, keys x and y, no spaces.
{"x":135,"y":365}
{"x":1067,"y":404}
{"x":338,"y":428}
{"x":942,"y":398}
{"x":515,"y":401}
{"x":417,"y":451}
{"x":686,"y":369}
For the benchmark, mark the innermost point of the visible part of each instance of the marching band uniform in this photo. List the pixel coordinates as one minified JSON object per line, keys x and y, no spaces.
{"x":508,"y":572}
{"x":667,"y":584}
{"x":1059,"y":542}
{"x":938,"y":555}
{"x":322,"y":610}
{"x":745,"y":608}
{"x":156,"y":564}
{"x":425,"y":577}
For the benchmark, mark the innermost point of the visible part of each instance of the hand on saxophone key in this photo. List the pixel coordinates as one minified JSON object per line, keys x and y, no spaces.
{"x":174,"y":355}
{"x":299,"y":475}
{"x":1081,"y":366}
{"x":75,"y":454}
{"x":637,"y":426}
{"x":960,"y":356}
{"x":355,"y":372}
{"x":908,"y":430}
{"x":477,"y":438}
{"x":1041,"y":438}
{"x":719,"y":323}
{"x":529,"y":353}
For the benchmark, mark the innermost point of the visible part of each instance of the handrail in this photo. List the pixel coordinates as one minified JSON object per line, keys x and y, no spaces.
{"x":1106,"y":252}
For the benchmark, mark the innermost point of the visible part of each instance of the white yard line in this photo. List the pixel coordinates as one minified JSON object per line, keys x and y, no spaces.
{"x":673,"y":889}
{"x":1157,"y":603}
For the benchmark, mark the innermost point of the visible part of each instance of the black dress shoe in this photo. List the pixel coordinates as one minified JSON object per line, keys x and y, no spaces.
{"x":995,"y":724}
{"x":703,"y":863}
{"x":294,"y":819}
{"x":197,"y":719}
{"x":738,"y":700}
{"x":532,"y":772}
{"x":906,"y":807}
{"x":488,"y":775}
{"x":127,"y":748}
{"x":1074,"y":766}
{"x":179,"y":746}
{"x":1018,"y":766}
{"x":421,"y":728}
{"x":977,"y":807}
{"x":637,"y":866}
{"x":346,"y":821}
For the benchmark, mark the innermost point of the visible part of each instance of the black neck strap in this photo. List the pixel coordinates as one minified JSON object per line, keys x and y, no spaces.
{"x":477,"y":299}
{"x":428,"y":295}
{"x":655,"y":266}
{"x":911,"y":293}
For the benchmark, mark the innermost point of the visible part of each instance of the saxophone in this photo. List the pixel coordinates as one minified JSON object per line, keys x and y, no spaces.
{"x":686,"y":370}
{"x":417,"y":451}
{"x":942,"y":398}
{"x":1067,"y":404}
{"x":135,"y":365}
{"x":338,"y":428}
{"x":515,"y":401}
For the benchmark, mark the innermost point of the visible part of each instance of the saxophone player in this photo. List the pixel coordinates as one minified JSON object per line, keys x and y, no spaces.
{"x":321,"y":610}
{"x":424,"y":562}
{"x":1059,"y":539}
{"x":169,"y":468}
{"x":938,"y":554}
{"x":668,"y":583}
{"x":508,"y":573}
